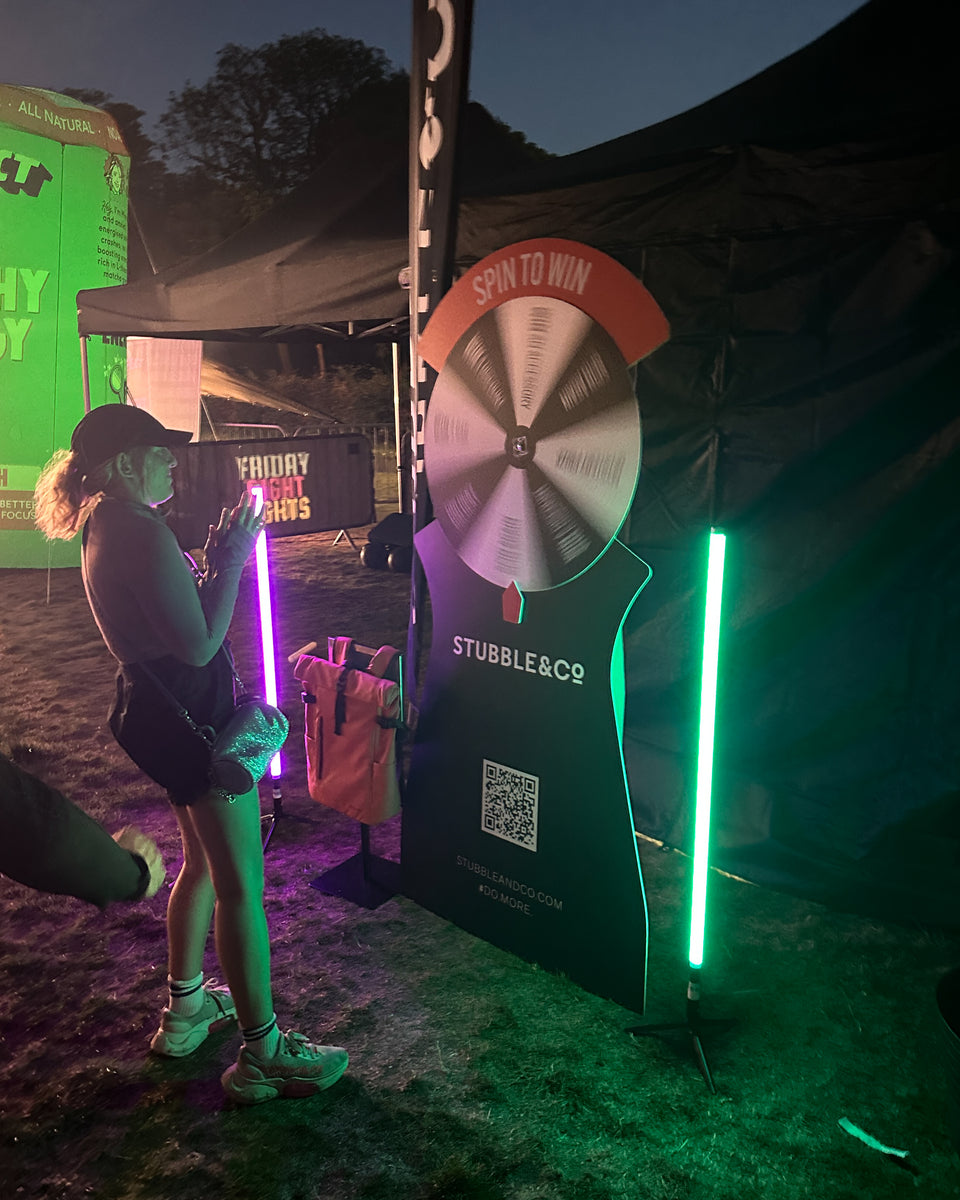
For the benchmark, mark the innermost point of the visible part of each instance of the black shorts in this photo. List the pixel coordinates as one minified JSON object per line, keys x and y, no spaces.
{"x":156,"y":737}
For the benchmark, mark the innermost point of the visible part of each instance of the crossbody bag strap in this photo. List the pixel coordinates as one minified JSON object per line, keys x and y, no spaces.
{"x":203,"y":730}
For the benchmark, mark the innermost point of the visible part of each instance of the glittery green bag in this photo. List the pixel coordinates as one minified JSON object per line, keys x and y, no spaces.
{"x":241,"y":752}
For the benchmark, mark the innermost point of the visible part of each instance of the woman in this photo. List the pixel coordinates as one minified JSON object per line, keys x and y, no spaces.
{"x":154,"y":614}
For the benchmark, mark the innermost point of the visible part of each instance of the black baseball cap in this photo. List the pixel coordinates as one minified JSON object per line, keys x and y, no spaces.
{"x":112,"y":428}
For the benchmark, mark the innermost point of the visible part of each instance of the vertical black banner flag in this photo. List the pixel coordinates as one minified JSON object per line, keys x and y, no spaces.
{"x":438,"y":92}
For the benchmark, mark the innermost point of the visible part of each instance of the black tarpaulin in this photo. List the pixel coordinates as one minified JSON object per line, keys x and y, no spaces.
{"x":330,"y":253}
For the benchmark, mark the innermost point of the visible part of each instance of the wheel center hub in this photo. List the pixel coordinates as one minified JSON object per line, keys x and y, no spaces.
{"x":520,"y":446}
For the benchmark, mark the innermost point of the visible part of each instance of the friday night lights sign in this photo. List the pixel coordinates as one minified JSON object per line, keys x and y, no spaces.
{"x":280,"y":478}
{"x":309,"y":485}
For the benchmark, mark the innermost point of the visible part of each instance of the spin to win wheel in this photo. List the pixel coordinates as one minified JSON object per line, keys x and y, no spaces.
{"x":532,"y":443}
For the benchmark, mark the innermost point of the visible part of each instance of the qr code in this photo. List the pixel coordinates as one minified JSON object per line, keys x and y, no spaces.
{"x":509,"y":803}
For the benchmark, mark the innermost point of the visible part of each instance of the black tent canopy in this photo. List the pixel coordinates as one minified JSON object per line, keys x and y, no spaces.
{"x":800,"y":232}
{"x":325,"y":260}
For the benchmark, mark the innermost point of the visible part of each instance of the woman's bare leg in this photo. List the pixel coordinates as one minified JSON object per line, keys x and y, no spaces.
{"x":190,"y":907}
{"x":230,"y":836}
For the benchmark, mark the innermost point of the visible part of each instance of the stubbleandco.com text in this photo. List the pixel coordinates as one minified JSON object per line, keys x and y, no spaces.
{"x":502,"y":889}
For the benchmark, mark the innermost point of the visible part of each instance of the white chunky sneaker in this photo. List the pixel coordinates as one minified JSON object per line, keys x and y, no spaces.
{"x":179,"y":1035}
{"x":299,"y":1068}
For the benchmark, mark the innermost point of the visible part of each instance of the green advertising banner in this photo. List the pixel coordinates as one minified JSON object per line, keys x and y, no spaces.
{"x":64,"y":172}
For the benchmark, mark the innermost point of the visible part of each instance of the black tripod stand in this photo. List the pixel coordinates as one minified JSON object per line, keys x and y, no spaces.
{"x":277,"y":813}
{"x":271,"y":820}
{"x":694,"y":1028}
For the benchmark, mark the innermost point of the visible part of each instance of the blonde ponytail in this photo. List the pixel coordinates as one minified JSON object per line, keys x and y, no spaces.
{"x":64,"y":498}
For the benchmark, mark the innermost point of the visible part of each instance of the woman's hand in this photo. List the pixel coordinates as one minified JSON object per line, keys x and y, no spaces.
{"x":231,"y":542}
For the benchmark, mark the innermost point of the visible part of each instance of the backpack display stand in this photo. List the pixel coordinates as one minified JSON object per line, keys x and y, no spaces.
{"x":352,"y":713}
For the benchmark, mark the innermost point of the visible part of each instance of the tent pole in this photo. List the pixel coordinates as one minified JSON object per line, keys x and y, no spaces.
{"x":396,"y":422}
{"x":85,"y":371}
{"x":143,"y":240}
{"x":206,"y":413}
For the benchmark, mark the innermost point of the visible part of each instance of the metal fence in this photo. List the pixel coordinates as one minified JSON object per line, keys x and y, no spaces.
{"x":382,"y":438}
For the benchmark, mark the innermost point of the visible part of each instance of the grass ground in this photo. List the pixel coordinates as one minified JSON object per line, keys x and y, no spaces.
{"x":474,"y":1076}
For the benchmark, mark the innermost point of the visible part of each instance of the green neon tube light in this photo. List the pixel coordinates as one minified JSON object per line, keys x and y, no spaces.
{"x":708,"y":713}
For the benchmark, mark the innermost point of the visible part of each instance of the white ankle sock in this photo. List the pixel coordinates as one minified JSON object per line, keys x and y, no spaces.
{"x":263,"y":1040}
{"x":186,"y":995}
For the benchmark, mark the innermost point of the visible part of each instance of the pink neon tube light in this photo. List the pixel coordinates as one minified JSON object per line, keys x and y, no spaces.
{"x":266,"y":624}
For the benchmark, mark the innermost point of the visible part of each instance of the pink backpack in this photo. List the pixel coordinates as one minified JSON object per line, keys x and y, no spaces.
{"x":351,"y":717}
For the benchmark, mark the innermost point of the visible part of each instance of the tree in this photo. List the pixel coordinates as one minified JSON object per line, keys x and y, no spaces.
{"x":269,"y":116}
{"x":173,"y":214}
{"x":263,"y":123}
{"x":128,"y":117}
{"x":150,"y":182}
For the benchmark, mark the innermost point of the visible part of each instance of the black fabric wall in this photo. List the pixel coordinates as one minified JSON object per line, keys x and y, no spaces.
{"x":808,"y":405}
{"x":808,"y":402}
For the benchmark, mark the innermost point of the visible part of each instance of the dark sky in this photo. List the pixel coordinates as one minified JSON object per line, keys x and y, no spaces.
{"x":567,"y":74}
